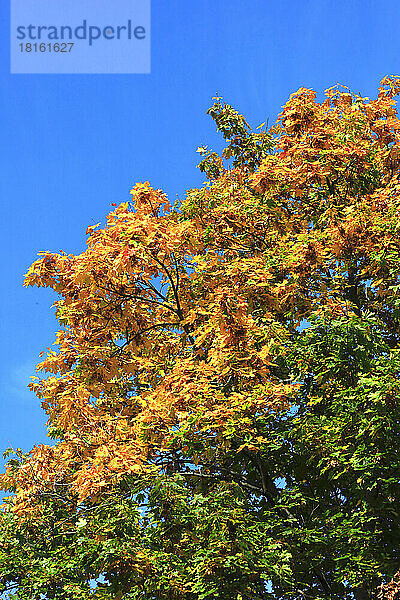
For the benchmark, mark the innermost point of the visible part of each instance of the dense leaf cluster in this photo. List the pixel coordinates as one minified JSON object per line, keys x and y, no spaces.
{"x":224,"y":399}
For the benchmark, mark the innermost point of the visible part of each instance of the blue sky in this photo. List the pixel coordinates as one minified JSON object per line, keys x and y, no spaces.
{"x":74,"y":144}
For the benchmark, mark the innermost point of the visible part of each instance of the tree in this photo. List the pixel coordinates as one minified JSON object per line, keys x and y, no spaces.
{"x":224,"y":397}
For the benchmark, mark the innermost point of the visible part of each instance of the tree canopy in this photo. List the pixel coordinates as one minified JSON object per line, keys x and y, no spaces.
{"x":224,"y":397}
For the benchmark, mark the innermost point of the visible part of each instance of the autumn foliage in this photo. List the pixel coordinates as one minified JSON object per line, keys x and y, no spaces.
{"x":224,"y":394}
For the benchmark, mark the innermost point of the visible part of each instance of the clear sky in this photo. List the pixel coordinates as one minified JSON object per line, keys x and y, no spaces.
{"x":74,"y":144}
